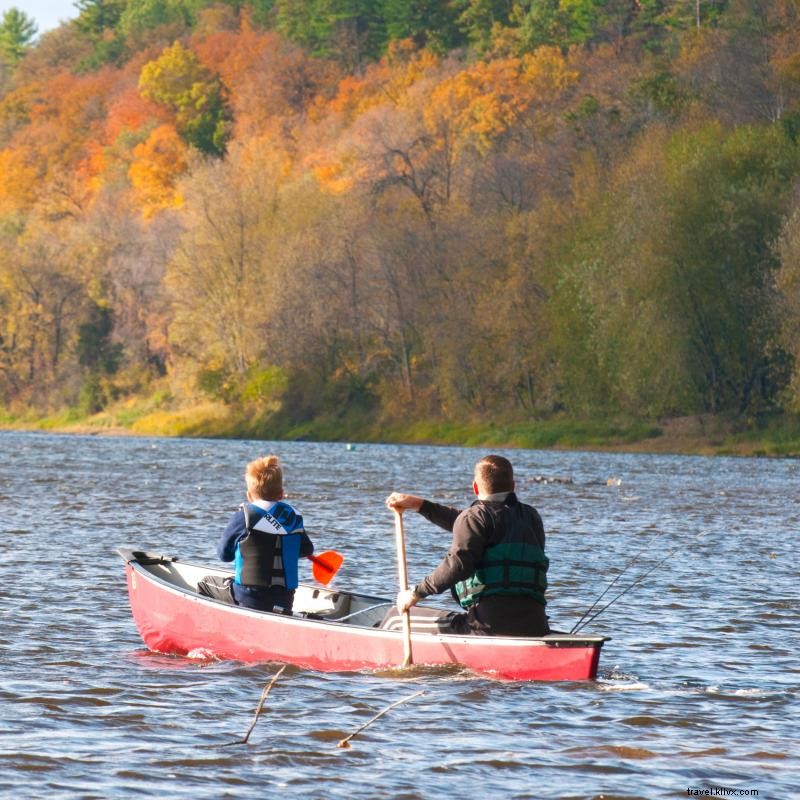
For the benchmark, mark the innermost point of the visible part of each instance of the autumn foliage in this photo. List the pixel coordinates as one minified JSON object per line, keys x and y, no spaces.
{"x":316,"y":210}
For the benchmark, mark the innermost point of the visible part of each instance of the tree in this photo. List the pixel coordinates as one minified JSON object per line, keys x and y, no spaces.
{"x":141,"y":16}
{"x":96,"y":16}
{"x":98,"y":20}
{"x":351,"y":31}
{"x":177,"y":80}
{"x":158,"y":163}
{"x":663,"y":295}
{"x":479,"y":18}
{"x":429,"y":23}
{"x":730,"y":194}
{"x":221,"y":269}
{"x":788,"y":285}
{"x":17,"y":31}
{"x":561,"y":23}
{"x":95,"y":349}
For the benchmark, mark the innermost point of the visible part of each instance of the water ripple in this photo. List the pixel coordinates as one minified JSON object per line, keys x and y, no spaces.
{"x":699,"y":684}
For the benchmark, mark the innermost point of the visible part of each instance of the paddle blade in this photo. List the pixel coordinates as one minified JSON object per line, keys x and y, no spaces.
{"x":325,"y":565}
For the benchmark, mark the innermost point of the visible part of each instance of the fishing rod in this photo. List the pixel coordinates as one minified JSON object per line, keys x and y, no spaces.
{"x":632,"y":585}
{"x":610,"y":586}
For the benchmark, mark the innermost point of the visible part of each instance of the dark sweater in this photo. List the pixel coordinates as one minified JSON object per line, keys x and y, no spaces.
{"x":473,"y":531}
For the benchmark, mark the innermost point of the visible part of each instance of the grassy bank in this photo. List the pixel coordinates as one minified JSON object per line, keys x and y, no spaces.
{"x":158,"y":415}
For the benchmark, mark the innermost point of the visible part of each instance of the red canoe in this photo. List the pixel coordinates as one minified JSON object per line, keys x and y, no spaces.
{"x":329,"y":631}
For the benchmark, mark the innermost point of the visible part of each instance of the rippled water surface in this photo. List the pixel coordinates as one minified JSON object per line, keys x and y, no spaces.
{"x":698,"y":686}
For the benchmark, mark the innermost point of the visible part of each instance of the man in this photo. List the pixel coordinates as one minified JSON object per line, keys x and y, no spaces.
{"x":496,"y":566}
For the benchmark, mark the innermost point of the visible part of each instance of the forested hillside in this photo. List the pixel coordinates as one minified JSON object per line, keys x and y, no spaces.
{"x":402,"y":209}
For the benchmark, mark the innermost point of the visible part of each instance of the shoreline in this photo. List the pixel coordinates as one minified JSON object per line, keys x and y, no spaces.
{"x":690,"y":436}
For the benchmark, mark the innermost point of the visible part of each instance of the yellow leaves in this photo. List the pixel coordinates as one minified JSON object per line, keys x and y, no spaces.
{"x":158,"y":162}
{"x":408,"y":64}
{"x":170,"y":77}
{"x":18,"y":181}
{"x":547,"y":73}
{"x":479,"y":103}
{"x":483,"y":101}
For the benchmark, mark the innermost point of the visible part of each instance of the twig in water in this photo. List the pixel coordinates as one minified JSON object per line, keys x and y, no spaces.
{"x":346,"y":741}
{"x":264,"y":693}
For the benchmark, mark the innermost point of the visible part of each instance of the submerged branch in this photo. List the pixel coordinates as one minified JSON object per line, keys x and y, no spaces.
{"x":264,"y":694}
{"x":346,"y":741}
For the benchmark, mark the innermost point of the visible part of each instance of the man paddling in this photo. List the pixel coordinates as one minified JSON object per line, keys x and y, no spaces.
{"x":496,"y":566}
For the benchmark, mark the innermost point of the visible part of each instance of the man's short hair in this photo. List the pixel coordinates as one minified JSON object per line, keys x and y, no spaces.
{"x":495,"y":474}
{"x":264,"y":478}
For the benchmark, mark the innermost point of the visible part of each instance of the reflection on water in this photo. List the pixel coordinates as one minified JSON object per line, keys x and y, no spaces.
{"x":698,"y":686}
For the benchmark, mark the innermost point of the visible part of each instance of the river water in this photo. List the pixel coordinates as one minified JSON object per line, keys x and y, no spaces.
{"x":698,"y":687}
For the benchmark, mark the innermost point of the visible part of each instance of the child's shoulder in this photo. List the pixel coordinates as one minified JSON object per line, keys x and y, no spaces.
{"x":287,"y":515}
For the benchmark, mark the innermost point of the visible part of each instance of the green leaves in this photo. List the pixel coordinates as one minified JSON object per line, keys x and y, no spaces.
{"x":17,"y":32}
{"x":178,"y":81}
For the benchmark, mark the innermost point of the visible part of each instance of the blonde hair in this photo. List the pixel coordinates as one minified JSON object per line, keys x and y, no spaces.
{"x":264,"y":478}
{"x":494,"y":474}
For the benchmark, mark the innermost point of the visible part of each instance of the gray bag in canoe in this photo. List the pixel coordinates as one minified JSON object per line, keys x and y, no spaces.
{"x":217,"y":588}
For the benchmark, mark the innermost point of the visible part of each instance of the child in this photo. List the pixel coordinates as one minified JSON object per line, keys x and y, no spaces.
{"x":265,"y":539}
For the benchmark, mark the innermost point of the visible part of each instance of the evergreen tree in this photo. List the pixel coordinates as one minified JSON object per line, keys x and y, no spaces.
{"x":142,"y":15}
{"x":560,"y":22}
{"x":95,"y":20}
{"x":349,"y":30}
{"x":427,"y":22}
{"x":17,"y":31}
{"x":96,"y":16}
{"x":478,"y":18}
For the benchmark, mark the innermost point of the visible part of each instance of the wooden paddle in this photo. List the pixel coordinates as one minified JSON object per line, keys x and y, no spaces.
{"x":402,"y":572}
{"x":325,"y":565}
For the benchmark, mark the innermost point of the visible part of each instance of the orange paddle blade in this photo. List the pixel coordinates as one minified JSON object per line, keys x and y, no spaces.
{"x":325,"y":565}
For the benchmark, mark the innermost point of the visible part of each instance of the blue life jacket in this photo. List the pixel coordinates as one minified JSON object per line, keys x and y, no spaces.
{"x":268,"y":553}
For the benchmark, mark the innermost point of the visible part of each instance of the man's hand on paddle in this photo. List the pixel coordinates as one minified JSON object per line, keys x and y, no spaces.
{"x":403,"y":502}
{"x":406,"y":599}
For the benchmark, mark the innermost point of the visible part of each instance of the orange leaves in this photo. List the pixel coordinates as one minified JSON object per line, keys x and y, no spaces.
{"x":387,"y":81}
{"x":233,"y":54}
{"x":129,"y":111}
{"x":15,"y":108}
{"x":338,"y":176}
{"x":158,"y":162}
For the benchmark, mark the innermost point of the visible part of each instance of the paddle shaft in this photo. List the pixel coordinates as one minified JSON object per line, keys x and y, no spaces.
{"x":402,"y":574}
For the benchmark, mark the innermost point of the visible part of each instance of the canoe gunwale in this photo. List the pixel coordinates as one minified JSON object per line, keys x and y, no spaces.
{"x":139,"y":561}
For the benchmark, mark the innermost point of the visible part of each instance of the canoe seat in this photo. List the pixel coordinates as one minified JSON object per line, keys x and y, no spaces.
{"x":321,"y":603}
{"x":423,"y":620}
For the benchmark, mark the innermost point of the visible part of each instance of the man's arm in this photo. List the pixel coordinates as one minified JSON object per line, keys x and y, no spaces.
{"x":455,"y":562}
{"x":466,"y":551}
{"x":443,"y":516}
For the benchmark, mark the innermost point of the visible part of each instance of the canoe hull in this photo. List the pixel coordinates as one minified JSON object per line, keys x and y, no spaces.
{"x":173,"y":620}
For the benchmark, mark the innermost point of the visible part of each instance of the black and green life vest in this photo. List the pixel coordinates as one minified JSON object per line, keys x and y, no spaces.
{"x":514,"y":565}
